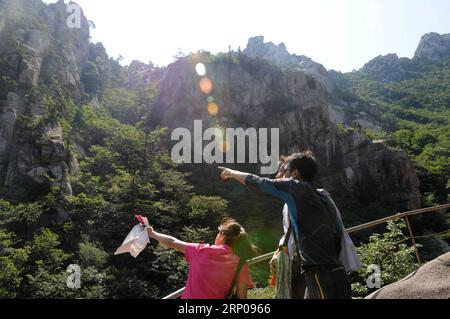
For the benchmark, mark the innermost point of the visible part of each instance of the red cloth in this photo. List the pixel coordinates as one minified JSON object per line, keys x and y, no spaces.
{"x":142,"y":220}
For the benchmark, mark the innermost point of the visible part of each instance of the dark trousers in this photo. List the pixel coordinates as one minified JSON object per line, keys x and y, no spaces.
{"x":298,"y":282}
{"x":327,"y":282}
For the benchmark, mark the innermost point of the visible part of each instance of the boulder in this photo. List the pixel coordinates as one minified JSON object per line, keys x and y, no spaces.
{"x":431,"y":281}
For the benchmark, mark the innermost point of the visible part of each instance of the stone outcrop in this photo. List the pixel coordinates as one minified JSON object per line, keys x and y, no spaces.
{"x":290,"y":92}
{"x":348,"y":111}
{"x":141,"y":75}
{"x":386,"y":68}
{"x":354,"y":113}
{"x":254,"y":94}
{"x":431,"y":281}
{"x":36,"y":54}
{"x":279,"y":55}
{"x":433,"y":47}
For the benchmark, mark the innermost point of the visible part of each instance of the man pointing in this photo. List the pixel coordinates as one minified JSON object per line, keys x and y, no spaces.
{"x":316,"y":228}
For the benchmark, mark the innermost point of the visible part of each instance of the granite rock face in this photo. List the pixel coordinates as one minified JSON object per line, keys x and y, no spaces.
{"x":386,"y":68}
{"x":279,"y":55}
{"x":37,"y":49}
{"x":348,"y":111}
{"x":141,"y":75}
{"x":254,"y":94}
{"x":267,"y":88}
{"x":431,"y":281}
{"x":433,"y":47}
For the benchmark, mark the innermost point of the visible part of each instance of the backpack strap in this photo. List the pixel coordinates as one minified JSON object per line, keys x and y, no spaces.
{"x":236,"y":274}
{"x":288,"y":233}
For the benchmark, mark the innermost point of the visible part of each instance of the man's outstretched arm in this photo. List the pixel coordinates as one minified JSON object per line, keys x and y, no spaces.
{"x":233,"y":174}
{"x":280,"y":188}
{"x":275,"y":187}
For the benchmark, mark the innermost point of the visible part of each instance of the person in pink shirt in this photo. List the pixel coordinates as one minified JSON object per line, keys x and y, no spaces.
{"x":213,"y":267}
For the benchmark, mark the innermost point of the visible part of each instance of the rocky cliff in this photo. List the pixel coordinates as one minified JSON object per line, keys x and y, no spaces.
{"x":264,"y":86}
{"x":386,"y":68}
{"x":38,"y":53}
{"x":432,"y":48}
{"x":252,"y":93}
{"x":348,"y":110}
{"x":279,"y":55}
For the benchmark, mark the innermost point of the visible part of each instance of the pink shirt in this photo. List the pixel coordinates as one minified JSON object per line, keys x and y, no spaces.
{"x":211,"y":271}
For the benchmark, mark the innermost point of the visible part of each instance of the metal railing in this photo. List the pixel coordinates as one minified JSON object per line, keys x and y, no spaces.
{"x":405,"y":215}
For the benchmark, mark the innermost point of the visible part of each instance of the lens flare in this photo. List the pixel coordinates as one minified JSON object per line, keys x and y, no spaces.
{"x":224,"y":147}
{"x":213,"y":109}
{"x":210,"y":99}
{"x":220,"y":131}
{"x":200,"y":69}
{"x":205,"y":85}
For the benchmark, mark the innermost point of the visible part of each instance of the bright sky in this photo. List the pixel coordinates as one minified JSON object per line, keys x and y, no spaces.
{"x":340,"y":34}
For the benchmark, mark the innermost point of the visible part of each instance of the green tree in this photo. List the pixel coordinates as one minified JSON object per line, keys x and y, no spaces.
{"x":390,"y":252}
{"x":10,"y":273}
{"x":91,"y":77}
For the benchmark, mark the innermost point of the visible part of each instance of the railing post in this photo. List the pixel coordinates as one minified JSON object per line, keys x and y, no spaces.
{"x":411,"y":235}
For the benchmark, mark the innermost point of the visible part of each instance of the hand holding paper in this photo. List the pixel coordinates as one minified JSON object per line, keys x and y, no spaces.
{"x":137,"y":239}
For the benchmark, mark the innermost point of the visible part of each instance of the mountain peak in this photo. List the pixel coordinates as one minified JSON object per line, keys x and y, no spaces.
{"x":277,"y":54}
{"x":433,"y":47}
{"x":385,"y":68}
{"x":280,"y":56}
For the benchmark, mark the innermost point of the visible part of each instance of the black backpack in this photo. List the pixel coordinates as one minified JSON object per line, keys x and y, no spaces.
{"x":332,"y":213}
